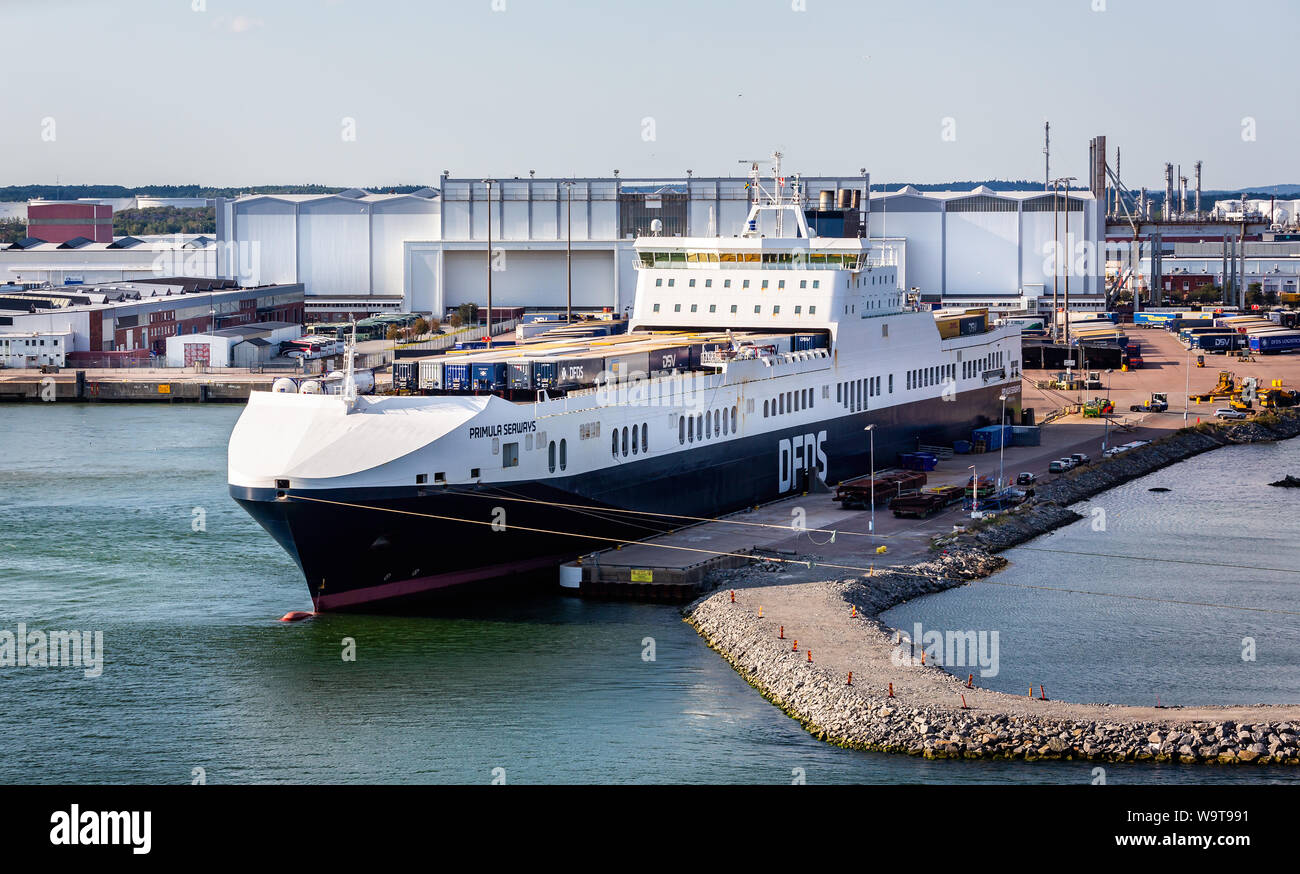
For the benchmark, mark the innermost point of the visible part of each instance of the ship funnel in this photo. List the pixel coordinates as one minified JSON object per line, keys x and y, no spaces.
{"x":826,"y":200}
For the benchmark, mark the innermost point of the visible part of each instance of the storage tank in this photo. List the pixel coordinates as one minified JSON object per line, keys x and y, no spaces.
{"x":284,"y":385}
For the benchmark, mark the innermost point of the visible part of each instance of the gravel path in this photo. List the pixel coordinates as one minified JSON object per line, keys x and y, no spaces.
{"x":838,"y":621}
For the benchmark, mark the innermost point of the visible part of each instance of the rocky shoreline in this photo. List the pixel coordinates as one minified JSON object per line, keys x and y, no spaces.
{"x":934,"y":714}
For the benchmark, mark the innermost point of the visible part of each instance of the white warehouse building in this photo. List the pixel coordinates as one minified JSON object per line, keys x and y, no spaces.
{"x":359,"y":252}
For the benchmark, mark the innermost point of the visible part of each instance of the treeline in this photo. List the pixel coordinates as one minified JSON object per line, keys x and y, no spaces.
{"x":12,"y":230}
{"x":165,"y":220}
{"x":14,"y":193}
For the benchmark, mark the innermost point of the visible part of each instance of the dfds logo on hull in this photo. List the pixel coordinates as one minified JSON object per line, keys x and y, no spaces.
{"x":801,"y":453}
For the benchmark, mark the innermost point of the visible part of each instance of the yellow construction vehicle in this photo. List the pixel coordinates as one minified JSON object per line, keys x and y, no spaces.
{"x":1222,"y":390}
{"x":1272,"y":398}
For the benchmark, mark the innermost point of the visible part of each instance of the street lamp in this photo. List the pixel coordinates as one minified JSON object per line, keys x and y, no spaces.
{"x":871,"y":429}
{"x":489,"y":183}
{"x":568,"y":253}
{"x":975,"y":492}
{"x":1187,"y":384}
{"x":1056,"y":260}
{"x":1105,"y":439}
{"x":1002,"y":438}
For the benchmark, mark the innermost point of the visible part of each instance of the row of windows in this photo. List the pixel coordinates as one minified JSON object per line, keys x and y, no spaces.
{"x":815,"y":260}
{"x":758,"y":309}
{"x":853,"y":395}
{"x":564,"y":455}
{"x":622,"y":441}
{"x":726,"y":283}
{"x":702,"y":426}
{"x":926,"y":376}
{"x":972,"y":369}
{"x":789,"y":402}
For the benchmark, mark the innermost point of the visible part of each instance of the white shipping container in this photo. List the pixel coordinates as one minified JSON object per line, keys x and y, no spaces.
{"x":430,"y":375}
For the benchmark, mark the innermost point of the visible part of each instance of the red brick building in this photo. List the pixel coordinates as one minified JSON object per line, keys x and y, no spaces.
{"x":58,"y":221}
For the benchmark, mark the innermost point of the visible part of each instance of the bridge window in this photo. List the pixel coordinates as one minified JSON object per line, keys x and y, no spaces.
{"x":510,"y":455}
{"x":564,"y":454}
{"x":733,"y":419}
{"x":757,"y":310}
{"x":645,"y":437}
{"x":716,"y":416}
{"x":764,"y":409}
{"x":550,"y":456}
{"x":625,"y":441}
{"x":656,"y":307}
{"x":733,"y":309}
{"x":812,"y":310}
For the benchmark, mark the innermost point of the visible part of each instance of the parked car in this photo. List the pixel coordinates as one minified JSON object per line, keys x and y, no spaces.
{"x":1061,"y":465}
{"x":1026,"y":479}
{"x":1230,"y":414}
{"x":1080,"y":458}
{"x":1113,"y":451}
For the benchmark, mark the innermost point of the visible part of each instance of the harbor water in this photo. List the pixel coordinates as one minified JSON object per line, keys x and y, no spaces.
{"x":116,"y":519}
{"x":1185,"y":595}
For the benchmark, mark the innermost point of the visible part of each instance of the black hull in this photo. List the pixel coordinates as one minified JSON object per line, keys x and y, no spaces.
{"x":381,"y":556}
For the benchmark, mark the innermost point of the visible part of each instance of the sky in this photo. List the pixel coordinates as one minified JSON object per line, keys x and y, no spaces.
{"x":384,"y":92}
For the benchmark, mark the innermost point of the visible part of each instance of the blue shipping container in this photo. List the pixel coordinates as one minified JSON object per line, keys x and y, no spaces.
{"x":1269,"y":343}
{"x":456,"y":377}
{"x":489,"y":376}
{"x":993,"y":436}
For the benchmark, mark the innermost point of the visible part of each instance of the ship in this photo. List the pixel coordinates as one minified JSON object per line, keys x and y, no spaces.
{"x":752,"y":367}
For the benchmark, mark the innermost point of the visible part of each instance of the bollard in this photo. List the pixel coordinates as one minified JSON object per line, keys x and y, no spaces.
{"x":850,"y":682}
{"x":1042,"y":693}
{"x":781,"y":636}
{"x":795,"y":648}
{"x":760,"y":611}
{"x":733,"y":596}
{"x":1031,"y":691}
{"x":810,"y":657}
{"x":922,"y":656}
{"x":891,"y":690}
{"x":970,"y":681}
{"x":963,"y":703}
{"x":853,"y":613}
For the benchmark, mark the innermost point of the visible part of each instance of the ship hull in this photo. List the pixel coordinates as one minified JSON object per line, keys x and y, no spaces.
{"x":396,"y":549}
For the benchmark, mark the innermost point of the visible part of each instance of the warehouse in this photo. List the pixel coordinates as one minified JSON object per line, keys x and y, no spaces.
{"x":242,"y":346}
{"x":110,"y":319}
{"x":81,"y":261}
{"x":357,"y":253}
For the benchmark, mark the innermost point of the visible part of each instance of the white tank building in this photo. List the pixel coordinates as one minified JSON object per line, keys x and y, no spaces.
{"x":361,"y":252}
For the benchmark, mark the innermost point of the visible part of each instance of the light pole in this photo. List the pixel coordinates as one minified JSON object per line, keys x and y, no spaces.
{"x":568,"y":254}
{"x":1187,"y":384}
{"x":1105,"y":439}
{"x":975,"y":492}
{"x":871,"y":429}
{"x":489,"y":183}
{"x":1056,"y":261}
{"x":1002,"y":438}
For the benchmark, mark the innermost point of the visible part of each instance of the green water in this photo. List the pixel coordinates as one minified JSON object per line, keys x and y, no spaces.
{"x":97,"y":507}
